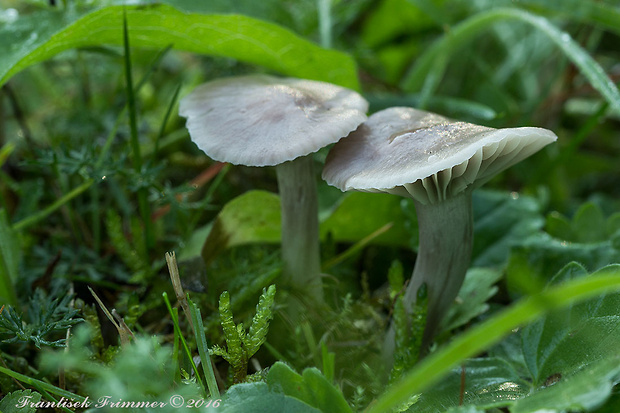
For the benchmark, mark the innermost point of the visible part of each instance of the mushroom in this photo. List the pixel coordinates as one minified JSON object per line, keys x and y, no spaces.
{"x":437,"y":162}
{"x":262,"y":120}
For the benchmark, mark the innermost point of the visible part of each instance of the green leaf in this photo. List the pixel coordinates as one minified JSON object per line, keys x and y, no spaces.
{"x":489,"y":382}
{"x":556,"y":344}
{"x":430,"y":370}
{"x":502,"y":220}
{"x":393,"y":18}
{"x":236,"y":355}
{"x":584,"y":390}
{"x":260,"y":322}
{"x":27,"y":41}
{"x":542,"y":254}
{"x":478,"y":287}
{"x":251,"y":217}
{"x":359,"y":214}
{"x":259,"y":398}
{"x":9,"y":403}
{"x":311,"y":387}
{"x":589,"y":224}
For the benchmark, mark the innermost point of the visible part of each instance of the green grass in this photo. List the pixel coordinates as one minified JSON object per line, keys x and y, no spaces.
{"x":99,"y":179}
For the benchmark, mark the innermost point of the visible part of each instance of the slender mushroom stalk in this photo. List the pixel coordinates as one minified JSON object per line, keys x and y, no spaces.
{"x":437,"y":162}
{"x":300,"y":225}
{"x":262,"y":120}
{"x":446,"y":239}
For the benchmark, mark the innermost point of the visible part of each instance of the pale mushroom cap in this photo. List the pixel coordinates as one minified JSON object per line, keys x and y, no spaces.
{"x":261,"y":120}
{"x":426,"y":156}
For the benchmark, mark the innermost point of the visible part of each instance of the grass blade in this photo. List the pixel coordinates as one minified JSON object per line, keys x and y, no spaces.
{"x":526,"y":310}
{"x":430,"y":67}
{"x":34,"y":218}
{"x":9,"y":253}
{"x":42,"y":385}
{"x":143,"y":204}
{"x":203,"y":350}
{"x":188,"y":353}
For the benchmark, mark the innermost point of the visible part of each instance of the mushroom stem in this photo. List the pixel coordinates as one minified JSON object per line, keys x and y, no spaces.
{"x":300,"y":226}
{"x":446,"y":236}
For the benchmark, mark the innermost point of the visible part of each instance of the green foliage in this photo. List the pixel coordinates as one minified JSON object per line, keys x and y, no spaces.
{"x":241,"y":346}
{"x":9,"y":403}
{"x":472,"y":301}
{"x":577,"y":308}
{"x":436,"y":57}
{"x":258,"y":397}
{"x":501,"y":221}
{"x":159,"y":25}
{"x":134,"y":258}
{"x":45,"y":319}
{"x":251,"y":217}
{"x":396,"y":279}
{"x":350,"y":220}
{"x":310,"y":387}
{"x":588,"y":225}
{"x":409,"y":329}
{"x":141,"y":371}
{"x":70,"y":212}
{"x":9,"y":260}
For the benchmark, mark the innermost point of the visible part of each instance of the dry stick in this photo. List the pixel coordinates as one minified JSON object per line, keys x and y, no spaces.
{"x":123,"y":331}
{"x":171,"y":259}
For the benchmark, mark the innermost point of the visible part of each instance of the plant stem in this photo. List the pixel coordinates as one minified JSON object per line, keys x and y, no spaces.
{"x":300,"y":226}
{"x":446,"y":236}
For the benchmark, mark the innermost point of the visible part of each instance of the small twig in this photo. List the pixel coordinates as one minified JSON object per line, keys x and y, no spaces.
{"x":123,"y":331}
{"x":171,"y":259}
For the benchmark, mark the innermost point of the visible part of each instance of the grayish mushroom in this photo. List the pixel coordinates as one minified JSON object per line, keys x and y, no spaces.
{"x":261,"y":120}
{"x":437,"y":162}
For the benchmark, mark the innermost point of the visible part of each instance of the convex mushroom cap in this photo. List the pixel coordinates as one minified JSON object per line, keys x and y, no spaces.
{"x":426,"y":156}
{"x":262,"y":120}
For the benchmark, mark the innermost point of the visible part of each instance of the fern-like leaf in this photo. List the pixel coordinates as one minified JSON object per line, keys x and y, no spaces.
{"x":260,"y":322}
{"x":219,"y":351}
{"x":238,"y":359}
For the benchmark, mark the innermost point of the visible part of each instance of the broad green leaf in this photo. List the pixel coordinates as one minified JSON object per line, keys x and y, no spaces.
{"x":259,"y":398}
{"x":587,"y":226}
{"x":21,"y":398}
{"x":502,"y":220}
{"x":430,"y":67}
{"x":359,"y":214}
{"x":570,"y":358}
{"x":249,"y":218}
{"x":489,"y":382}
{"x":311,"y":387}
{"x":585,"y":390}
{"x":9,"y":260}
{"x":541,"y":255}
{"x":478,"y":287}
{"x":28,"y":41}
{"x":566,"y":341}
{"x":433,"y":368}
